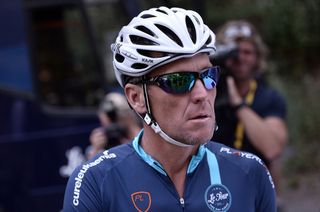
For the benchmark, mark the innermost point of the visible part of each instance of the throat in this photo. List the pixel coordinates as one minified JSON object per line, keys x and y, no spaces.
{"x":243,"y":87}
{"x":178,"y":179}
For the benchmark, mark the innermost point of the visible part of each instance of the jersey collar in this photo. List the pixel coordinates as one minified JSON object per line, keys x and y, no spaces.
{"x":195,"y":160}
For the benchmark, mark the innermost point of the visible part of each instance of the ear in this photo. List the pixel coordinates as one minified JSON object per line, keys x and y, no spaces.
{"x":134,"y":94}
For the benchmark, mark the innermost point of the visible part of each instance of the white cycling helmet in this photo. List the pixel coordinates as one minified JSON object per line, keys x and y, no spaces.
{"x":158,"y":36}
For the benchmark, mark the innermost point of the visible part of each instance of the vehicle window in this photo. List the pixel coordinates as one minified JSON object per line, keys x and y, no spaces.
{"x":66,"y":70}
{"x":72,"y":55}
{"x":107,"y":20}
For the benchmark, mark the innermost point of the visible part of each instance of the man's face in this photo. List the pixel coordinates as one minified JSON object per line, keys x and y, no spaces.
{"x":188,"y":117}
{"x":244,"y":66}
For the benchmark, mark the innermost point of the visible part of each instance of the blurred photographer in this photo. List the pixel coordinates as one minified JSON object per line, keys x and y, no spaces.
{"x":119,"y":124}
{"x":249,"y":114}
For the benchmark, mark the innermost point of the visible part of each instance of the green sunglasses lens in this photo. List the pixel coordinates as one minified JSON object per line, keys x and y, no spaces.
{"x":177,"y":82}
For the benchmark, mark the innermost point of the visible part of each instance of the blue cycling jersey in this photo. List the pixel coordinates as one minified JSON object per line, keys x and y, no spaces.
{"x":126,"y":178}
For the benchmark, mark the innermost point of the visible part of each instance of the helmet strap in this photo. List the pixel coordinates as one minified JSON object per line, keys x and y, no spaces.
{"x":150,"y":121}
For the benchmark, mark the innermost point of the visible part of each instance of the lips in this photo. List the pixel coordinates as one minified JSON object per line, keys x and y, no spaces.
{"x":200,"y":116}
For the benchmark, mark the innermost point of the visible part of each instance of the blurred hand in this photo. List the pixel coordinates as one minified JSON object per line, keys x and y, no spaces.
{"x":234,"y":96}
{"x":98,"y":139}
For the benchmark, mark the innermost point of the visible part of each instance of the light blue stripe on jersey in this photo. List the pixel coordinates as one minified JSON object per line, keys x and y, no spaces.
{"x":213,"y":168}
{"x":147,"y":158}
{"x":195,"y":160}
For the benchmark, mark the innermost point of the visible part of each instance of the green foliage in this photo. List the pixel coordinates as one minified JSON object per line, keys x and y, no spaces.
{"x":293,"y":36}
{"x":303,"y":122}
{"x":290,"y":28}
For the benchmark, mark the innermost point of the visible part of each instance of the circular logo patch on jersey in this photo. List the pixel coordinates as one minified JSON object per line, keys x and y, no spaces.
{"x":218,"y":197}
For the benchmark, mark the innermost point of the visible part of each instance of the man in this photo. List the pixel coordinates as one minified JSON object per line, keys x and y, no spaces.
{"x":252,"y":117}
{"x":161,"y":58}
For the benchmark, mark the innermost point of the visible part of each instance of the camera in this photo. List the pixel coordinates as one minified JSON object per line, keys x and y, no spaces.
{"x":109,"y":108}
{"x":115,"y":134}
{"x":223,"y":53}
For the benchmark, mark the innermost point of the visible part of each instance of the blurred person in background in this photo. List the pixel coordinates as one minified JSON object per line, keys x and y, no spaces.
{"x":119,"y":124}
{"x":250,"y":115}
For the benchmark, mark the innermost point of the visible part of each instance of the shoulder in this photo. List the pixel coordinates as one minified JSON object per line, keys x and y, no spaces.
{"x":268,"y":92}
{"x":83,"y":188}
{"x":269,"y":102}
{"x":233,"y":155}
{"x":108,"y":159}
{"x":248,"y":170}
{"x":244,"y":162}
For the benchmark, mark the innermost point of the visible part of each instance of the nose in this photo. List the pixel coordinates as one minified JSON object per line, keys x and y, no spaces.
{"x":199,"y":91}
{"x":241,"y":55}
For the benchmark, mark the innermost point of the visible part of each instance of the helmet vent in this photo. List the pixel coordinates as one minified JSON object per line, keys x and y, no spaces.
{"x":191,"y":29}
{"x":209,"y":40}
{"x":197,"y":20}
{"x":145,"y":30}
{"x":161,"y":11}
{"x":145,"y":16}
{"x":119,"y":58}
{"x":152,"y":54}
{"x":139,"y":66}
{"x":170,"y":34}
{"x":141,"y":41}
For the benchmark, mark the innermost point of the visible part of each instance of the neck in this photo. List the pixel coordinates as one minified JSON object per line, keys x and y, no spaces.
{"x":133,"y":132}
{"x":170,"y":156}
{"x":174,"y":159}
{"x":243,"y":86}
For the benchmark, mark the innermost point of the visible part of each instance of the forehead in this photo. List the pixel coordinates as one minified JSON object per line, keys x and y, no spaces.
{"x":195,"y":63}
{"x":246,"y":43}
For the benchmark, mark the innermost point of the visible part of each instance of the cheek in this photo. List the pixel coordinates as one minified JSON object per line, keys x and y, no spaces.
{"x":213,"y":93}
{"x":252,"y":59}
{"x":171,"y":108}
{"x":212,"y":101}
{"x":165,"y":106}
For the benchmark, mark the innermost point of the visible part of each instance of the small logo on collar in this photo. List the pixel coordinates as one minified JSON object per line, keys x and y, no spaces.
{"x":141,"y":200}
{"x":218,"y":197}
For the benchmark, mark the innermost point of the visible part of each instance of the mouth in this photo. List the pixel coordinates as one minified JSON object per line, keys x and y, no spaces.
{"x":200,"y":117}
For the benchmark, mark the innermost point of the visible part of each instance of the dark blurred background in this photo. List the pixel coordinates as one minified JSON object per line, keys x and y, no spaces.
{"x":55,"y":66}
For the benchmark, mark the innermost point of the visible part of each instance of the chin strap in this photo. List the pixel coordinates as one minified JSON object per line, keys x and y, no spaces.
{"x":156,"y":128}
{"x":149,"y":120}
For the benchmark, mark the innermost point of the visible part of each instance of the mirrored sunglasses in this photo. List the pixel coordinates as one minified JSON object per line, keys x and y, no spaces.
{"x":183,"y":82}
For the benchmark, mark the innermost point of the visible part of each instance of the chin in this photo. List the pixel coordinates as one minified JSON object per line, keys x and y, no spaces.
{"x":205,"y":132}
{"x":205,"y":136}
{"x":196,"y":134}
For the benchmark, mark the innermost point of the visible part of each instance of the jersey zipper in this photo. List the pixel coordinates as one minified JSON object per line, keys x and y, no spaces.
{"x":182,"y":203}
{"x":181,"y":199}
